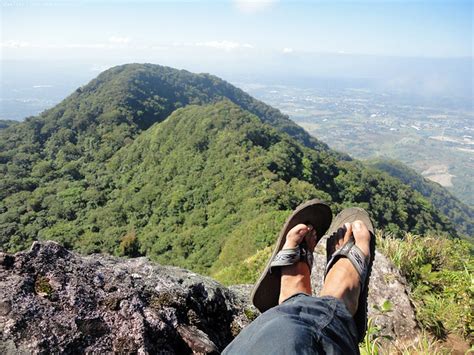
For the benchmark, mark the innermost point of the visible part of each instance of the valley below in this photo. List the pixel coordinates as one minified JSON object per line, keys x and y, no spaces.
{"x":433,"y":137}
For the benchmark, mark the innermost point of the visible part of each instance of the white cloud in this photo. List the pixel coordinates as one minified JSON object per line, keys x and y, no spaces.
{"x":287,"y":50}
{"x":253,"y":6}
{"x":119,"y":40}
{"x":183,"y":44}
{"x":225,"y":45}
{"x":157,"y":48}
{"x":114,"y":42}
{"x":15,"y":44}
{"x":84,"y":45}
{"x":126,"y":43}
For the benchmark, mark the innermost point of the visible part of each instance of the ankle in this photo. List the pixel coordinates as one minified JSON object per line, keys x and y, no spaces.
{"x":295,"y":279}
{"x":342,"y":282}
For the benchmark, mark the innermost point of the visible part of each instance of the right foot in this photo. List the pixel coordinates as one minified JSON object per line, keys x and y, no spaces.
{"x":343,"y":280}
{"x":296,"y":278}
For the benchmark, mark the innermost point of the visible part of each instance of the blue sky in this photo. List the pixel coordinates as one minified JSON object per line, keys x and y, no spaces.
{"x":158,"y":29}
{"x":422,"y":47}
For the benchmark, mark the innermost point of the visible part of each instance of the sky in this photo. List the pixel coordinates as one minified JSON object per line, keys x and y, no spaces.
{"x":426,"y":45}
{"x":152,"y":29}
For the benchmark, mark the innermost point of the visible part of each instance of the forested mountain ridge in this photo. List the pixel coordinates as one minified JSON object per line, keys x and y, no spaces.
{"x":100,"y":117}
{"x":7,"y":123}
{"x":457,"y":211}
{"x":193,"y":173}
{"x":142,"y":94}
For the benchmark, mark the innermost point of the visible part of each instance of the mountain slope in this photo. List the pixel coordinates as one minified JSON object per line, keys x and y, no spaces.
{"x":441,"y":198}
{"x":7,"y":123}
{"x":203,"y":187}
{"x":73,"y":140}
{"x":210,"y":186}
{"x":75,"y":137}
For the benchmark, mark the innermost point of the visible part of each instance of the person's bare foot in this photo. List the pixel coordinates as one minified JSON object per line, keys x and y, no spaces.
{"x":342,"y":281}
{"x":296,"y":278}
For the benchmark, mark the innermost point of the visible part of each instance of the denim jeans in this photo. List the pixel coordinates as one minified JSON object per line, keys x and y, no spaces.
{"x":301,"y":325}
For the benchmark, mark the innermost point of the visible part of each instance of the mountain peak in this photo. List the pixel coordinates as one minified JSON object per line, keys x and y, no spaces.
{"x":143,"y":94}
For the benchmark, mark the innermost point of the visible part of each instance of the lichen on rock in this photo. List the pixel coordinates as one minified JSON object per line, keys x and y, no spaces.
{"x":56,"y":301}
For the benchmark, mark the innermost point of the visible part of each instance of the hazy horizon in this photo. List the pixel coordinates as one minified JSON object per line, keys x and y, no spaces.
{"x":421,"y":49}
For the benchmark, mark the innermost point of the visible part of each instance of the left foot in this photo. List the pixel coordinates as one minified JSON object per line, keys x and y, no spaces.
{"x":296,"y":278}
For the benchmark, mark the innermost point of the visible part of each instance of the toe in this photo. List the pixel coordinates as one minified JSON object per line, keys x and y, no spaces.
{"x":296,"y":235}
{"x":342,"y":235}
{"x":347,"y":233}
{"x":361,"y":236}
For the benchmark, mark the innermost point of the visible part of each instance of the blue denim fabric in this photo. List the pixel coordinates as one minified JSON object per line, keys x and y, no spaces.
{"x":301,"y":325}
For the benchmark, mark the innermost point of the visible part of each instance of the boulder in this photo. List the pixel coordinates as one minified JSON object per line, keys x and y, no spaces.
{"x":56,"y":301}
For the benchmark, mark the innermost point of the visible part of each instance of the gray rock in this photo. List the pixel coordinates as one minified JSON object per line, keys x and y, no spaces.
{"x":56,"y":301}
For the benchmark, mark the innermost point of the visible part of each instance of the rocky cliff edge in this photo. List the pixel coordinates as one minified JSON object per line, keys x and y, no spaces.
{"x":56,"y":301}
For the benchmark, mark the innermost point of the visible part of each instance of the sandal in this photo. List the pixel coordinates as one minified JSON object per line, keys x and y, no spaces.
{"x":267,"y":289}
{"x":361,"y":262}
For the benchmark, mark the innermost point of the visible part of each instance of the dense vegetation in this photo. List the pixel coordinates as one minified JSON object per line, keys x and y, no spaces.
{"x":7,"y":123}
{"x":182,"y":167}
{"x":457,"y":211}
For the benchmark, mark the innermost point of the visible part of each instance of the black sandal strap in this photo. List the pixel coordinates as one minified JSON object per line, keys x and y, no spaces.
{"x":291,"y":256}
{"x":351,"y":251}
{"x":286,"y":257}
